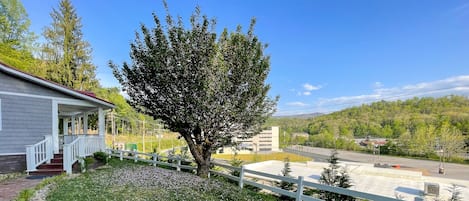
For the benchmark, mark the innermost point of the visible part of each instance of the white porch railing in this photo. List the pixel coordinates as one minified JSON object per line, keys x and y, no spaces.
{"x":39,"y":153}
{"x":81,"y":147}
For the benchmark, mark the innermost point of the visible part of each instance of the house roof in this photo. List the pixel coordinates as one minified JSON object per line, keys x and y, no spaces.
{"x":89,"y":96}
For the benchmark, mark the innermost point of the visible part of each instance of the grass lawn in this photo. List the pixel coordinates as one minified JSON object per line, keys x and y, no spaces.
{"x":252,"y":158}
{"x":129,"y":181}
{"x":152,"y":142}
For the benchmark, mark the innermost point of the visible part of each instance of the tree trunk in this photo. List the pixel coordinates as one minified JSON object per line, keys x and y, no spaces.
{"x":203,"y":163}
{"x":201,"y":153}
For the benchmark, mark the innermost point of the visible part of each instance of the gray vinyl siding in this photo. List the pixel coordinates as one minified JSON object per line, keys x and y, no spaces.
{"x":11,"y":84}
{"x":25,"y":121}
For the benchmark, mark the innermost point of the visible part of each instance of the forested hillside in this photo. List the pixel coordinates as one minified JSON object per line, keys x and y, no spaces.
{"x":417,"y":127}
{"x":392,"y":119}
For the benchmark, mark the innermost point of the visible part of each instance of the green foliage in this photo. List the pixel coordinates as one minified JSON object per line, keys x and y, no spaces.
{"x":286,"y":173}
{"x":66,"y":55}
{"x":20,"y":59}
{"x":207,"y":88}
{"x":412,"y":127}
{"x":236,"y":162}
{"x":25,"y":195}
{"x":335,"y":176}
{"x":392,"y":119}
{"x":14,"y":26}
{"x":101,"y":156}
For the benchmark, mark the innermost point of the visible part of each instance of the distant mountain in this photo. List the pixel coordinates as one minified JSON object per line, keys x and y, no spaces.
{"x":300,"y":116}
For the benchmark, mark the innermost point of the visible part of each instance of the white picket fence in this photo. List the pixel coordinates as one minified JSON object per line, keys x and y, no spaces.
{"x":38,"y":153}
{"x":243,"y":179}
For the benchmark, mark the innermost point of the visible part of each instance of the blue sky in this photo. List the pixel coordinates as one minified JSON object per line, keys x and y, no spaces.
{"x":325,"y":55}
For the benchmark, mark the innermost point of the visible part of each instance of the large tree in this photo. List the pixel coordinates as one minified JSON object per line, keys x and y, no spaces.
{"x":16,"y":41}
{"x":208,"y":88}
{"x":66,"y":55}
{"x":14,"y":25}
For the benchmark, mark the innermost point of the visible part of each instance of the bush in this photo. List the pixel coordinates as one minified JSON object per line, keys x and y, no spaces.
{"x":101,"y":156}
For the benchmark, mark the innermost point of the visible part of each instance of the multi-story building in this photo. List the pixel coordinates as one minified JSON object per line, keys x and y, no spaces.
{"x":266,"y":140}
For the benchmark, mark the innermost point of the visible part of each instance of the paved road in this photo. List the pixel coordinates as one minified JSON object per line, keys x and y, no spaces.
{"x":452,"y":171}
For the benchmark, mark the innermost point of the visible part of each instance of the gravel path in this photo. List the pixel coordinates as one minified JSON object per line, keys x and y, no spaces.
{"x":10,"y":189}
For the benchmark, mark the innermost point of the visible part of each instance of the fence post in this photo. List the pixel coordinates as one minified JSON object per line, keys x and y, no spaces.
{"x":178,"y":167}
{"x":155,"y":158}
{"x":241,"y":177}
{"x":135,"y":155}
{"x":299,"y":190}
{"x":121,"y":155}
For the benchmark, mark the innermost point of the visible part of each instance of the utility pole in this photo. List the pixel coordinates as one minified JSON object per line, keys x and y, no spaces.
{"x":143,"y":135}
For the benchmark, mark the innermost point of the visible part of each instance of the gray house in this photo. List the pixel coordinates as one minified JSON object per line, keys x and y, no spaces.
{"x":41,"y":120}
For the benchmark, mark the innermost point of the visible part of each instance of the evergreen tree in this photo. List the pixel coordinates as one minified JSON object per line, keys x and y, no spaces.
{"x":286,"y":173}
{"x":335,"y":176}
{"x":66,"y":55}
{"x":207,"y":90}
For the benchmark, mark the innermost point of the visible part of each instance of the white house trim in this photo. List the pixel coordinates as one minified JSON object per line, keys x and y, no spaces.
{"x":55,"y":126}
{"x":65,"y":101}
{"x":54,"y":86}
{"x":10,"y":154}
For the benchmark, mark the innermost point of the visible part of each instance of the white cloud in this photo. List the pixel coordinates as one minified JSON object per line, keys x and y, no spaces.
{"x":306,"y":93}
{"x":297,"y":104}
{"x":454,"y":85}
{"x":458,"y":85}
{"x":309,"y":87}
{"x":377,"y":85}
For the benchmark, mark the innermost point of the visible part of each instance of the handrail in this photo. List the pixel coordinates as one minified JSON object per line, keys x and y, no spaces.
{"x":39,"y":153}
{"x":80,"y":147}
{"x":300,"y":183}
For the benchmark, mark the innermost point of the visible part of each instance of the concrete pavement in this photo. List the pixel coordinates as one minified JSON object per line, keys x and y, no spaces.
{"x":407,"y":185}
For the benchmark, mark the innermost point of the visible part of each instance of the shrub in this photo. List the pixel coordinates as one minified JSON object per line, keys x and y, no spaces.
{"x":101,"y":156}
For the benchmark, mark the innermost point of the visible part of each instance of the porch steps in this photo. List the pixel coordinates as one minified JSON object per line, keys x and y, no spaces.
{"x":55,"y":167}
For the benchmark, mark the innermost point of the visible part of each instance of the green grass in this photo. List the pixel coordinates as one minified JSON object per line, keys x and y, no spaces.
{"x":151,"y":142}
{"x":28,"y":193}
{"x":252,"y":158}
{"x":129,"y":181}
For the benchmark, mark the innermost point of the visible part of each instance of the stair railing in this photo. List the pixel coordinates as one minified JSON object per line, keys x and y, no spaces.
{"x":81,"y":147}
{"x":39,"y":153}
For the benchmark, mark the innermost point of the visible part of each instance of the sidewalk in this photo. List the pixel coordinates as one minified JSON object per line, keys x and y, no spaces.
{"x":10,"y":189}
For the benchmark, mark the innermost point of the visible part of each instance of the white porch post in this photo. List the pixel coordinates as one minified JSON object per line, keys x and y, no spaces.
{"x":85,"y":123}
{"x":73,"y":125}
{"x":65,"y":125}
{"x":55,"y":126}
{"x":101,"y":126}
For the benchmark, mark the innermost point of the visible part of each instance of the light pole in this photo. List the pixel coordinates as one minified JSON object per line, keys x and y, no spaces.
{"x":440,"y":151}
